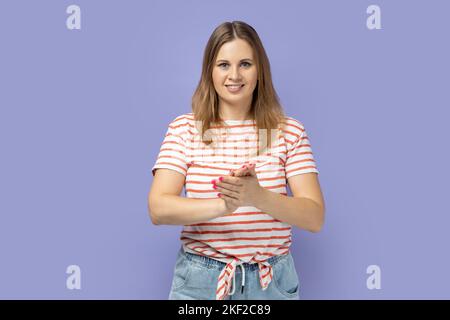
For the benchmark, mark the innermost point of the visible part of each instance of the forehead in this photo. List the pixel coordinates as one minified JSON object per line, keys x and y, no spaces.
{"x":235,"y":50}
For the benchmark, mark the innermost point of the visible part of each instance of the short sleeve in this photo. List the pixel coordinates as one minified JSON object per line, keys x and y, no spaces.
{"x":172,"y":154}
{"x":299,"y":158}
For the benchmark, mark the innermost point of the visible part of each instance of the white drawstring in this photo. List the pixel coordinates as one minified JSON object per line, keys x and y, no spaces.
{"x":234,"y":281}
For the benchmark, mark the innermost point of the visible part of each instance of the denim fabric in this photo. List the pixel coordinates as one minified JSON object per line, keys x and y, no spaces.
{"x":195,"y":278}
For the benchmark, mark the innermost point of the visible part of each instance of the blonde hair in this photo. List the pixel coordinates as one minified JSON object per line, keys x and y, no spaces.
{"x":265,"y":109}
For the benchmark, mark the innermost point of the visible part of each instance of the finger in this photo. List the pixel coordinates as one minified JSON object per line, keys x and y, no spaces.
{"x":229,"y":180}
{"x":238,"y":173}
{"x":229,"y":193}
{"x":225,"y":186}
{"x":252,"y":170}
{"x":233,"y":173}
{"x":250,"y":165}
{"x":228,"y":198}
{"x":242,"y":171}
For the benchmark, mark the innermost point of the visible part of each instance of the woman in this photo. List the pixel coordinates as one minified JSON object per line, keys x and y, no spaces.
{"x":234,"y":154}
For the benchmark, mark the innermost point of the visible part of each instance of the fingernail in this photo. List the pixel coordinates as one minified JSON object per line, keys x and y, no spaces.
{"x":219,"y":195}
{"x":220,"y":179}
{"x":214,"y":186}
{"x":213,"y":181}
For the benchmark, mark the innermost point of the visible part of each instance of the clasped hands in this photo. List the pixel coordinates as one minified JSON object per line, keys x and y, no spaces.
{"x":239,"y":188}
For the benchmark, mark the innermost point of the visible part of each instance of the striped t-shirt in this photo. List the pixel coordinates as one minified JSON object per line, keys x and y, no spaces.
{"x":248,"y":234}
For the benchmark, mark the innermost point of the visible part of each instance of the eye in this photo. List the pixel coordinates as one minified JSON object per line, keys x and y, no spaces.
{"x":243,"y":63}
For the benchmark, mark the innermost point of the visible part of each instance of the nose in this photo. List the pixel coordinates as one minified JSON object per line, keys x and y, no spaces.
{"x":234,"y":74}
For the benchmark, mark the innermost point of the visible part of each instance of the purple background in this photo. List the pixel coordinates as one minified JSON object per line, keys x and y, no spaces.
{"x":83,"y":114}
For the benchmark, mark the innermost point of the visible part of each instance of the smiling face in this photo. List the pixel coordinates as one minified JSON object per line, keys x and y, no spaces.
{"x":235,"y":65}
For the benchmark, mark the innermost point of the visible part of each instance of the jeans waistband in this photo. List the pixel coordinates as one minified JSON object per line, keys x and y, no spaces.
{"x":216,"y":264}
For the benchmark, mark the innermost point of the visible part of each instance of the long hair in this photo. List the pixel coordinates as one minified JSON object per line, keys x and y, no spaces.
{"x":265,"y":107}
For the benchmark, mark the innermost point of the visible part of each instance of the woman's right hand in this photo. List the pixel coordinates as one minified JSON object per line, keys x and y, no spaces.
{"x":228,"y":207}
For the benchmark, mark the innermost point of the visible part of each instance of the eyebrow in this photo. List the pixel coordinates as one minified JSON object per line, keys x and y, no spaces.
{"x":246,"y":59}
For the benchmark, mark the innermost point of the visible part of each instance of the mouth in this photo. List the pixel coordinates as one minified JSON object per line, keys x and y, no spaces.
{"x":234,"y":88}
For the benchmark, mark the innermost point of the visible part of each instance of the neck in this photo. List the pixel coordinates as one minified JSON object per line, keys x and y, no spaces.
{"x":232,"y":112}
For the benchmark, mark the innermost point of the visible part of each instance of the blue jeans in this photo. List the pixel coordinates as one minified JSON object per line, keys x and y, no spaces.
{"x":195,"y":278}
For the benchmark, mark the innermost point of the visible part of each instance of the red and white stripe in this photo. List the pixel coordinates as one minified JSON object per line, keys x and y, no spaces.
{"x":248,"y":234}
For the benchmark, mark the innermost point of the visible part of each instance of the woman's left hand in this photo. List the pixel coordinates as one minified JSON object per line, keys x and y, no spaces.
{"x":239,"y":191}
